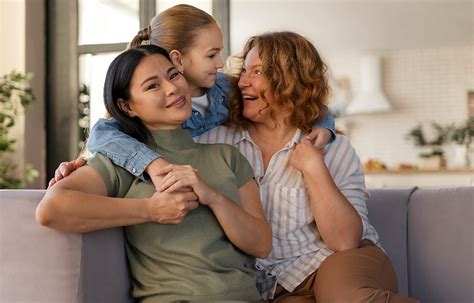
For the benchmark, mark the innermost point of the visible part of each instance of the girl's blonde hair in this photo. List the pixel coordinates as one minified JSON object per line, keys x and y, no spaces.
{"x":296,"y":75}
{"x":175,"y":28}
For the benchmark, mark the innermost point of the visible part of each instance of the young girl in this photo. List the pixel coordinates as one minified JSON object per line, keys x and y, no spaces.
{"x":194,"y":41}
{"x":182,"y":246}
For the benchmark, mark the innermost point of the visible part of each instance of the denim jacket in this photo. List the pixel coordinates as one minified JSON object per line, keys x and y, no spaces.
{"x":134,"y":156}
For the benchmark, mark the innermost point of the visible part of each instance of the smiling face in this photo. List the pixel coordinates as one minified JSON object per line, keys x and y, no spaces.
{"x":258,"y":98}
{"x":203,"y":59}
{"x":159,"y":94}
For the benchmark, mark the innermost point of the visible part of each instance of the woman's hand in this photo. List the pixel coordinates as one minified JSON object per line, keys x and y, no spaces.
{"x":306,"y":157}
{"x":171,"y":208}
{"x":182,"y":176}
{"x":238,"y":222}
{"x":319,"y":136}
{"x":65,"y":169}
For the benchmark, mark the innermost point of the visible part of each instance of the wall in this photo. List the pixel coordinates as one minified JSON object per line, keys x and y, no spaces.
{"x":427,"y":49}
{"x":12,"y":56}
{"x":336,"y":25}
{"x":423,"y":86}
{"x":22,"y":27}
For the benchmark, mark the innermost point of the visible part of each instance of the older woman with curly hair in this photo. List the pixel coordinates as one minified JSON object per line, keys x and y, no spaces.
{"x":324,"y":248}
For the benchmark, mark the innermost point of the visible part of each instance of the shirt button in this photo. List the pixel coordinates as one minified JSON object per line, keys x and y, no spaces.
{"x":134,"y":170}
{"x":195,"y":113}
{"x":221,"y":98}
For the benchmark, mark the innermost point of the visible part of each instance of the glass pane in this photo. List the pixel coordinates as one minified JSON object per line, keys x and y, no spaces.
{"x":205,"y":5}
{"x":107,"y":21}
{"x":92,"y":70}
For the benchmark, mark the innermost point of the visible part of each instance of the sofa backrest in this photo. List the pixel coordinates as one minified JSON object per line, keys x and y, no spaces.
{"x":440,"y":244}
{"x":388,"y":214}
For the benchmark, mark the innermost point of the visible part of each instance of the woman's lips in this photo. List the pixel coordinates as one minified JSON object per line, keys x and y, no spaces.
{"x":178,"y":103}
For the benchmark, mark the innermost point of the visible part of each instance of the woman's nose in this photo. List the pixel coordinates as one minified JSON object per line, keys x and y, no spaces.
{"x":170,"y":87}
{"x":243,"y":81}
{"x":220,"y":62}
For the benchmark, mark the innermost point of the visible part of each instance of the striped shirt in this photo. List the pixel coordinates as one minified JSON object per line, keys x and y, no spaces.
{"x":298,"y":249}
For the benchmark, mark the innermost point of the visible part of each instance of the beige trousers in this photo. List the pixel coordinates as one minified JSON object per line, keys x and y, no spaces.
{"x":363,"y":275}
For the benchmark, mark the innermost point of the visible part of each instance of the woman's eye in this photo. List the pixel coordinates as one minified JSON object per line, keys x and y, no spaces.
{"x":258,"y":72}
{"x":174,"y":75}
{"x":212,"y":56}
{"x":153,"y":86}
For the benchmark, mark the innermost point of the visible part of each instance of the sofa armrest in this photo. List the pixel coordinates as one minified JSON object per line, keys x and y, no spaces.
{"x":43,"y":265}
{"x":388,"y":213}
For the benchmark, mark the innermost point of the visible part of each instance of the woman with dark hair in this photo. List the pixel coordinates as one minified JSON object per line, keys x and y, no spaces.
{"x":192,"y":244}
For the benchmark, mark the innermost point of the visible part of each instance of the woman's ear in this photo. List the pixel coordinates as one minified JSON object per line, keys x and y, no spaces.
{"x":125,"y":107}
{"x":177,"y":60}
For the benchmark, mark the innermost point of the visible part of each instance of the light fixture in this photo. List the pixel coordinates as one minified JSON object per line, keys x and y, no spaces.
{"x":371,"y":98}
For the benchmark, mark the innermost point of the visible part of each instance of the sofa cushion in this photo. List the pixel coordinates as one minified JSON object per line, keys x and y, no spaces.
{"x":36,"y":263}
{"x":440,"y":244}
{"x":388,"y":214}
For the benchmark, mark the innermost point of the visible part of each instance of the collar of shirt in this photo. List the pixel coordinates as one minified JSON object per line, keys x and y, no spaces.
{"x":297,"y":137}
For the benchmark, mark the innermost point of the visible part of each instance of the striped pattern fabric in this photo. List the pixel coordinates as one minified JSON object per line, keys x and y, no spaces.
{"x":298,"y":249}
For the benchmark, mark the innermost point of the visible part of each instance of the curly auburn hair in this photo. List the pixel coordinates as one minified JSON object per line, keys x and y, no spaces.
{"x":296,"y":75}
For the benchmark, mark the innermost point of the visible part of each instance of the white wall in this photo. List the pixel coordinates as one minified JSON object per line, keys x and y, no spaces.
{"x":12,"y":56}
{"x":336,"y":25}
{"x":427,"y":48}
{"x":423,"y":85}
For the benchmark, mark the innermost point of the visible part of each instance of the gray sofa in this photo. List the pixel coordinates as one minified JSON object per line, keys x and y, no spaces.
{"x":427,"y":233}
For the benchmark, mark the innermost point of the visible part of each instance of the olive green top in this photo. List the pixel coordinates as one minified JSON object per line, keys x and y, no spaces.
{"x":193,"y":260}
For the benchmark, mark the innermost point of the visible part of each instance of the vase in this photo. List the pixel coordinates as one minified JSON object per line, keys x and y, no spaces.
{"x":459,"y":156}
{"x":431,"y":163}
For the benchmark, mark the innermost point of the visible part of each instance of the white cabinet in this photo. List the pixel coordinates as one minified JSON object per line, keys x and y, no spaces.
{"x":408,"y":178}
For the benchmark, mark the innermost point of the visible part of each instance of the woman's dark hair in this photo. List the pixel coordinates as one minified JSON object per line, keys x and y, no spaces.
{"x":117,"y":86}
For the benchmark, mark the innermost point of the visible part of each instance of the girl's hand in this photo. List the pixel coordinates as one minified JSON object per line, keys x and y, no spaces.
{"x":306,"y":157}
{"x":65,"y":169}
{"x":319,"y":136}
{"x":182,"y":176}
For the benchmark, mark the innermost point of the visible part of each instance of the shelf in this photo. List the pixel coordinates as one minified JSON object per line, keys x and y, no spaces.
{"x":420,"y":171}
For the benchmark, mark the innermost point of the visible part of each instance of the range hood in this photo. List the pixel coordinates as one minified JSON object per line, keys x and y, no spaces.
{"x":371,"y":98}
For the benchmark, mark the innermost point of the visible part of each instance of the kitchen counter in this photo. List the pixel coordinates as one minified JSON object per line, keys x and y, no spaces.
{"x":421,"y":178}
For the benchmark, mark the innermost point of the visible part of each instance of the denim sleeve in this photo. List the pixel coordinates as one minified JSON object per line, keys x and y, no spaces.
{"x":127,"y":152}
{"x":329,"y":124}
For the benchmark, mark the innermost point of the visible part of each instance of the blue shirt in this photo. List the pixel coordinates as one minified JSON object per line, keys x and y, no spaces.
{"x":134,"y":156}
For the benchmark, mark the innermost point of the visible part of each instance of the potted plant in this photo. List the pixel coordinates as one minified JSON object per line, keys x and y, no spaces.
{"x":461,"y":135}
{"x":432,"y":156}
{"x":15,"y":95}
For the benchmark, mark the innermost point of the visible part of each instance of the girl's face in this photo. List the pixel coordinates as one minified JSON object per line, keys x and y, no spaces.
{"x":203,"y":59}
{"x":159,"y":94}
{"x":253,"y":85}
